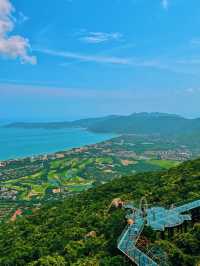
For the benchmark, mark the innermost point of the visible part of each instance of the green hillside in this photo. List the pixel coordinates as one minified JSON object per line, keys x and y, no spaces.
{"x":56,"y":234}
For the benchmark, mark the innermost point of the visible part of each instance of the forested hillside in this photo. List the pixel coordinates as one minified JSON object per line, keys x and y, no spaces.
{"x":58,"y":234}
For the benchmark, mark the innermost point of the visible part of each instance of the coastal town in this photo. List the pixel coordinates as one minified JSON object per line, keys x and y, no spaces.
{"x":28,"y":182}
{"x":78,"y":169}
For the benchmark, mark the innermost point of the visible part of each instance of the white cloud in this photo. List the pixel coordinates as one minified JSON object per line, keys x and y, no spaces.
{"x":165,"y":4}
{"x":12,"y":46}
{"x":87,"y":58}
{"x":100,"y":37}
{"x":174,"y":65}
{"x":104,"y":59}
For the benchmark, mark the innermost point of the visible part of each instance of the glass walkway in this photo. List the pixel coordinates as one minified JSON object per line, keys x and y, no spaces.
{"x":158,"y":218}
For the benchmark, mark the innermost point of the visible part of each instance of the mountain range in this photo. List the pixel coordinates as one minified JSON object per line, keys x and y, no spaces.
{"x":136,"y":123}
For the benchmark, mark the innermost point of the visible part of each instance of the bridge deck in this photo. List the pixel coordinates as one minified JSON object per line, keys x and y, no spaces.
{"x":127,"y":244}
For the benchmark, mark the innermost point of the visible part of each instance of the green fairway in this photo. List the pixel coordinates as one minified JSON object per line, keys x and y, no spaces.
{"x":166,"y":164}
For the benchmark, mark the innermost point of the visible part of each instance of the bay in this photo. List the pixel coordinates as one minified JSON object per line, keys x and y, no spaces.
{"x":19,"y":142}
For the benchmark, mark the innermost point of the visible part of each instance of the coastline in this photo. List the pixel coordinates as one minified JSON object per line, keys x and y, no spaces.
{"x":95,"y":139}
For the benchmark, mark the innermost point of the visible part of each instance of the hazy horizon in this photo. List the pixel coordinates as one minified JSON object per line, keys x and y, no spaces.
{"x":68,"y":119}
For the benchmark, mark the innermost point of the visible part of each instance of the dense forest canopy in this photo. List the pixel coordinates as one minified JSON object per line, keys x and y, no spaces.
{"x":57,"y":234}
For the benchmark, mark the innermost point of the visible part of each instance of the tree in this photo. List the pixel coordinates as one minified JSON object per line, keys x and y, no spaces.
{"x":49,"y":261}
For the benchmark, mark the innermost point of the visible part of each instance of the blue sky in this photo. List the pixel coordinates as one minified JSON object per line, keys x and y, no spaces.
{"x":69,"y":59}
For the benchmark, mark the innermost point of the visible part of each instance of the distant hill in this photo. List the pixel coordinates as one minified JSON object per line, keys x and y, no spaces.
{"x":147,"y":123}
{"x":57,"y":234}
{"x":85,"y":123}
{"x":137,"y":123}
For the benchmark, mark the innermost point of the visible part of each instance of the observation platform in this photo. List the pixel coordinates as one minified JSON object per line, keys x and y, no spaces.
{"x":158,"y":218}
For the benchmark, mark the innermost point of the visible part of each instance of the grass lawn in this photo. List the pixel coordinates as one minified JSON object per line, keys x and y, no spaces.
{"x":79,"y":188}
{"x":166,"y":164}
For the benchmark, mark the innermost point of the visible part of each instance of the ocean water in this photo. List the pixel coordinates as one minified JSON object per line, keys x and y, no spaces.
{"x":18,"y":142}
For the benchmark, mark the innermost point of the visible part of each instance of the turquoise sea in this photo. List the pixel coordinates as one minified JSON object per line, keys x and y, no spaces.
{"x":18,"y":143}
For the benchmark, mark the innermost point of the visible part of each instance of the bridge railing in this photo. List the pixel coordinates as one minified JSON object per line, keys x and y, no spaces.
{"x":122,"y":234}
{"x":174,"y":203}
{"x":140,"y":258}
{"x":188,"y":206}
